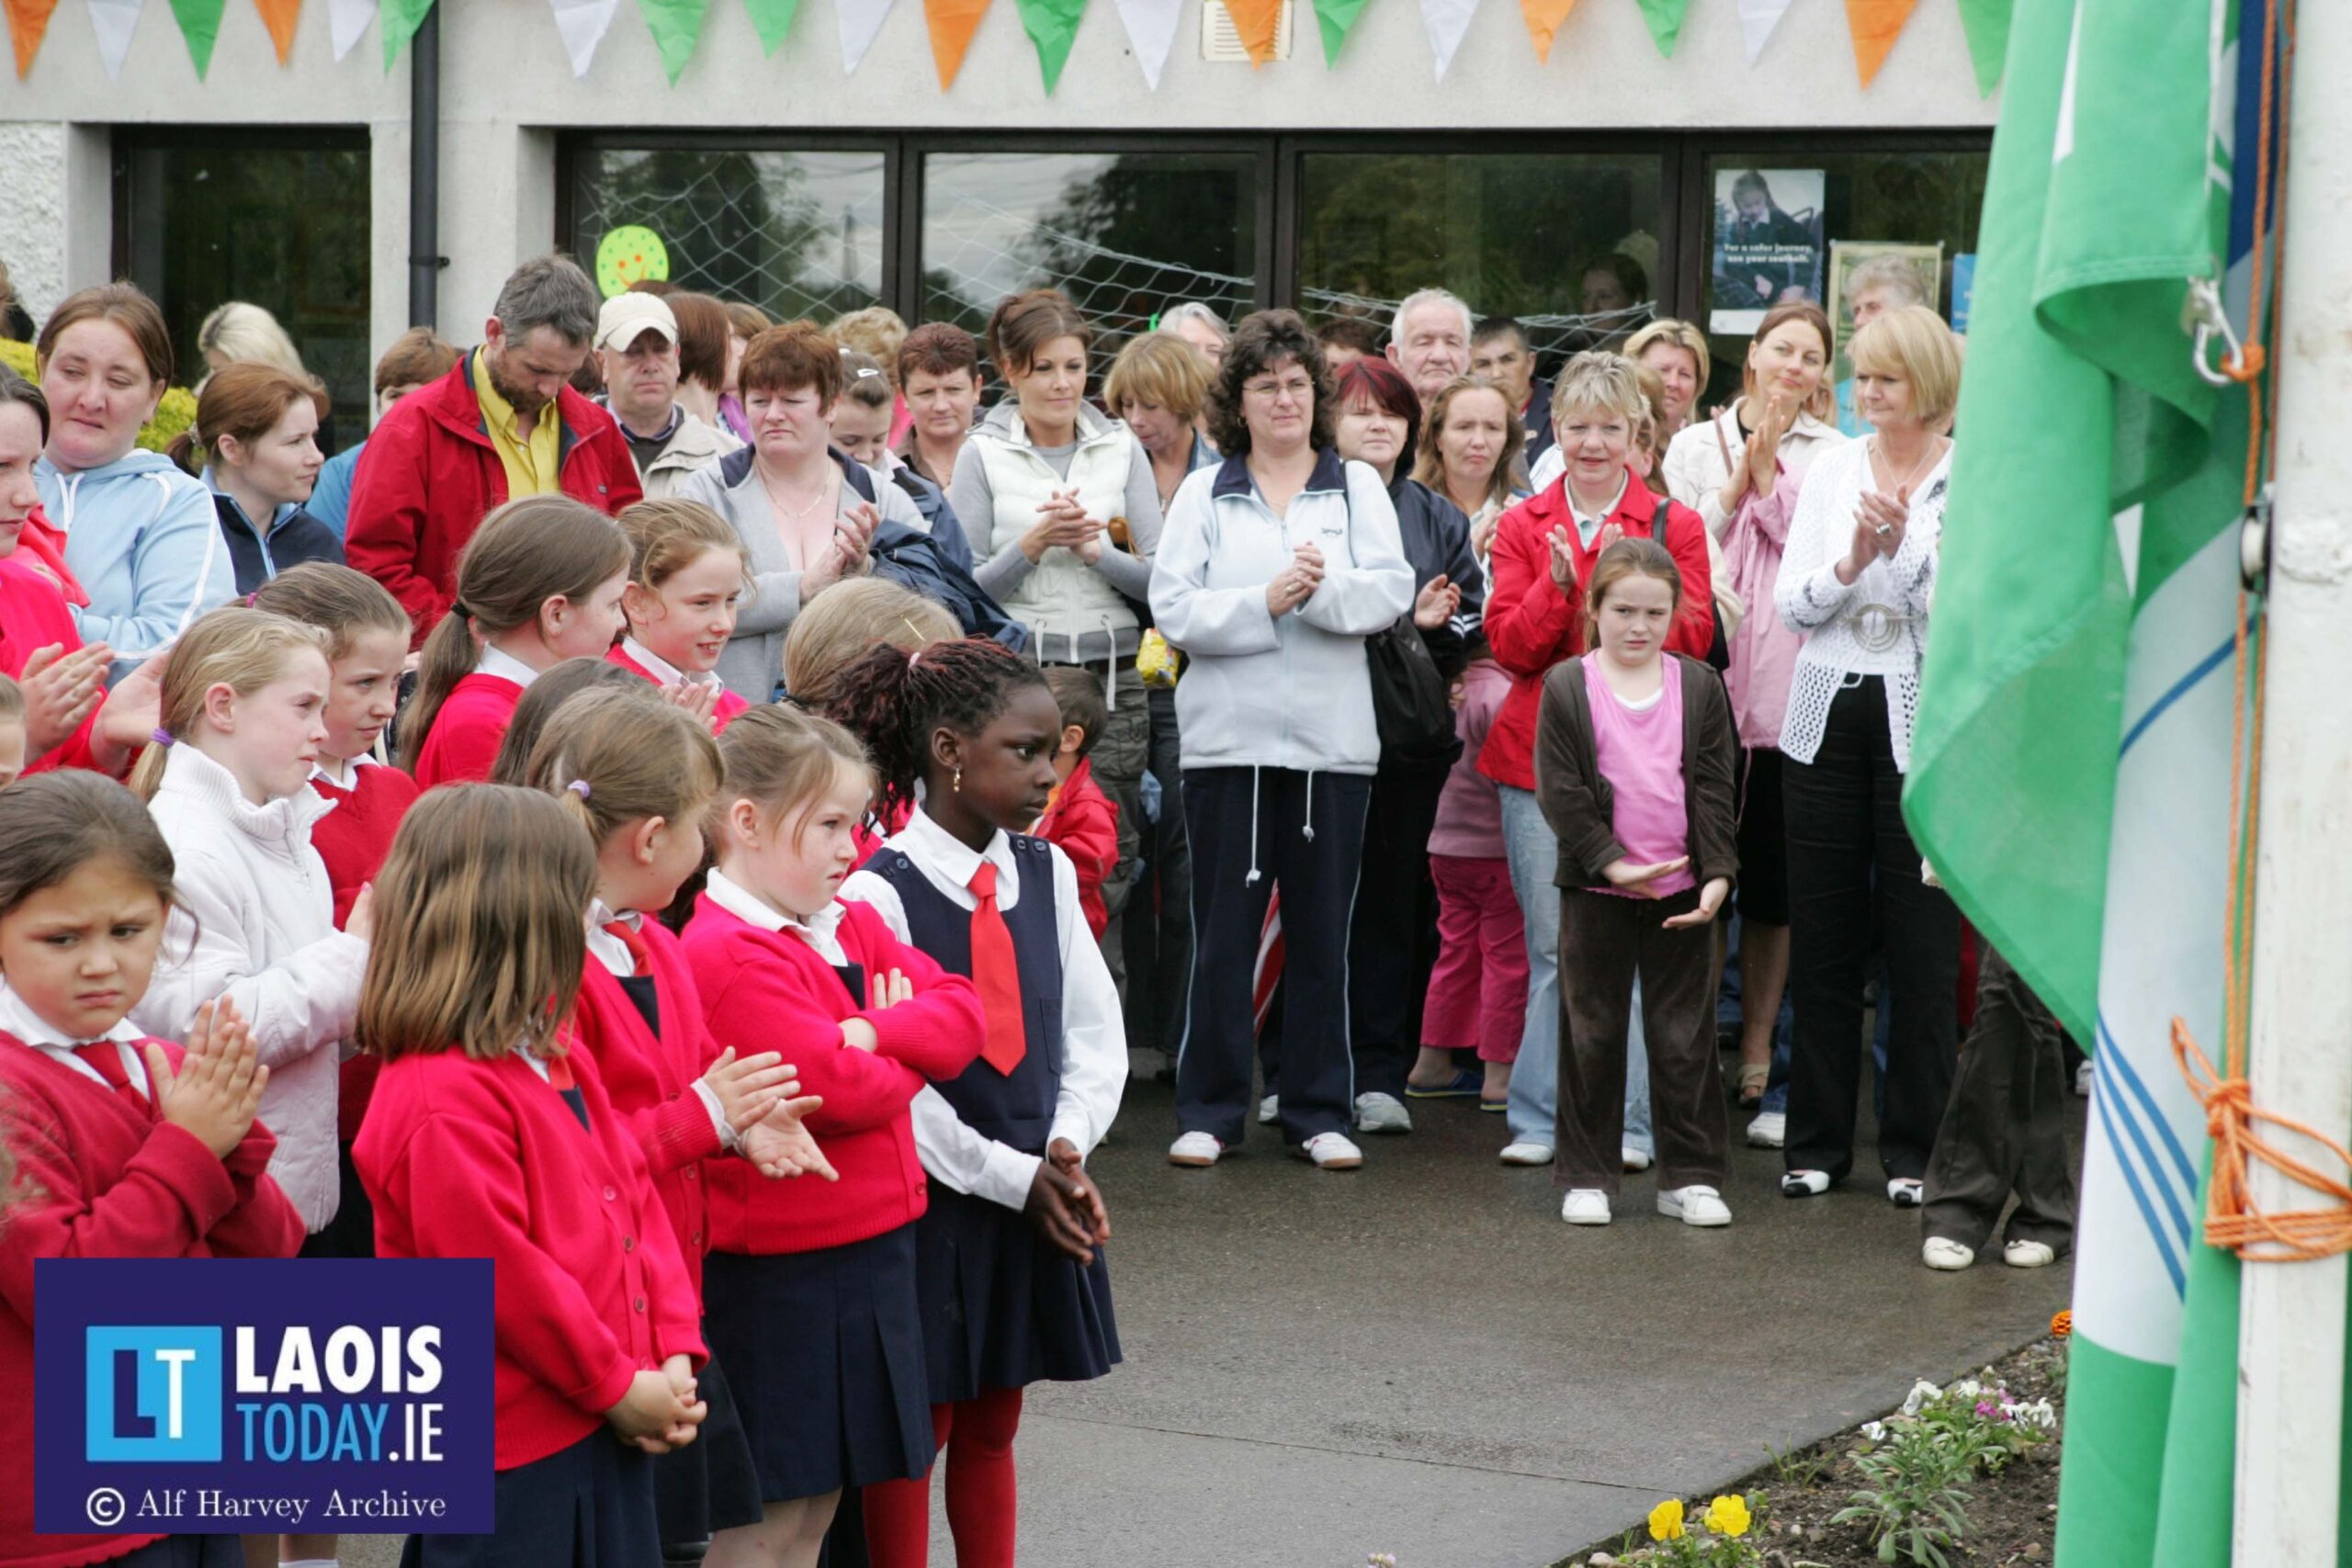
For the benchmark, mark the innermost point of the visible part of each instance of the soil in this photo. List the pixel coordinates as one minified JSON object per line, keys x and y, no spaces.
{"x":2012,"y":1517}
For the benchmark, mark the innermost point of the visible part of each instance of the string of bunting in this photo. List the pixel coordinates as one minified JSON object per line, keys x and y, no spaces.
{"x":1052,"y":26}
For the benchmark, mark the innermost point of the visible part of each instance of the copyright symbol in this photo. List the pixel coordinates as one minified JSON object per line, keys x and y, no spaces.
{"x":105,"y":1507}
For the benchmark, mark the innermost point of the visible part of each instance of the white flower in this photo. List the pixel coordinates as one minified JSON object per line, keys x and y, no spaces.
{"x":1968,"y":1388}
{"x":1922,"y":1392}
{"x":1874,"y":1430}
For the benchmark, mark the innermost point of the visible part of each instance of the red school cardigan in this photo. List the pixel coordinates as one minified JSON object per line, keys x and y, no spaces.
{"x":466,"y":732}
{"x":729,"y":704}
{"x":353,"y":839}
{"x":1532,"y":625}
{"x":485,"y":1159}
{"x":99,"y":1175}
{"x":650,"y":1080}
{"x":33,"y":614}
{"x":771,"y":991}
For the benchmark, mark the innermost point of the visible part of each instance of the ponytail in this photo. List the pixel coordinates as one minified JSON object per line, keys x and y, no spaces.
{"x":242,"y":649}
{"x":611,"y":757}
{"x":895,"y":701}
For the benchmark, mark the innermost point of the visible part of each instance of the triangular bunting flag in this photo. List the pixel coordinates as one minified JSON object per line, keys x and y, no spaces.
{"x":583,"y":25}
{"x":27,"y":20}
{"x":676,"y":26}
{"x":1986,"y":23}
{"x":278,"y":16}
{"x":1152,"y":31}
{"x":1875,"y":24}
{"x":347,"y":23}
{"x":1757,"y":20}
{"x":1051,"y":25}
{"x":1334,"y":17}
{"x":1664,"y":17}
{"x":114,"y":21}
{"x":861,"y":22}
{"x":1447,"y":22}
{"x":771,"y":19}
{"x":1543,"y":19}
{"x":200,"y":25}
{"x":1255,"y":21}
{"x":952,"y":25}
{"x":401,"y":19}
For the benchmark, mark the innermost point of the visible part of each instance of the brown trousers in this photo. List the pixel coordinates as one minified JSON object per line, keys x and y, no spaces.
{"x":1605,"y":940}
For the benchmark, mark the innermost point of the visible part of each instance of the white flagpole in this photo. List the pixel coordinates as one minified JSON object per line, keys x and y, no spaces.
{"x":2290,"y":1348}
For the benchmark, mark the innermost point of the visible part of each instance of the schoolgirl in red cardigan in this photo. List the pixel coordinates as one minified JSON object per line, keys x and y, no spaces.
{"x":811,"y":1289}
{"x":123,"y":1146}
{"x":685,"y":582}
{"x":490,"y":1136}
{"x":540,"y":583}
{"x":640,"y":775}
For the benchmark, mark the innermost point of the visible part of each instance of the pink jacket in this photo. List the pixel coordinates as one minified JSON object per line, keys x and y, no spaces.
{"x":1763,"y":651}
{"x":1469,"y":814}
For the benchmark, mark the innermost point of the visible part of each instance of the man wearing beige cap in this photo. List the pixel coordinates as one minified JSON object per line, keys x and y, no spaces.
{"x":637,"y":354}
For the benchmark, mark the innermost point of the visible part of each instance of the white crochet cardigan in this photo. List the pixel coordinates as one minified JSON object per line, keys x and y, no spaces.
{"x":1878,"y":625}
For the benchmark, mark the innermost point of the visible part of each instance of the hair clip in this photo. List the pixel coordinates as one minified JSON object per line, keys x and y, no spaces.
{"x":250,"y":598}
{"x":863,"y":371}
{"x":579,"y":787}
{"x":913,"y":655}
{"x":160,"y":736}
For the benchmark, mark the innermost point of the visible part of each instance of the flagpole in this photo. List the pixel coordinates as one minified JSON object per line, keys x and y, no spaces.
{"x":2291,"y":1350}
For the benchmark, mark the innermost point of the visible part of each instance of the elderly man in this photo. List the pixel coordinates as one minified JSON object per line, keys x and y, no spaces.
{"x":503,"y":422}
{"x":1430,"y":340}
{"x":1201,"y":327}
{"x":636,"y":355}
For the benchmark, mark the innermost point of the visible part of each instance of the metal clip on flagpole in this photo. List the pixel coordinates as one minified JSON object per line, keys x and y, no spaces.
{"x":2204,"y":315}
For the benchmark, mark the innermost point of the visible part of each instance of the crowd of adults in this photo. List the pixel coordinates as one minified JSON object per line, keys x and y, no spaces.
{"x":1257,"y":536}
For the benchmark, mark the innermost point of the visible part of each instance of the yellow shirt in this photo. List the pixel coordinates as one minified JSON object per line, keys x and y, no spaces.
{"x":532,"y":463}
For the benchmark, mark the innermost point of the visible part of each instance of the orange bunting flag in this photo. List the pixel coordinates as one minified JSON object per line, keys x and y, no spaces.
{"x":28,"y":19}
{"x":1875,"y":24}
{"x":952,"y":25}
{"x":278,"y":15}
{"x":1255,"y":21}
{"x":1543,"y":19}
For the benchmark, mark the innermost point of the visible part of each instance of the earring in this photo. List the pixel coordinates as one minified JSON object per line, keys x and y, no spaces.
{"x":959,"y":778}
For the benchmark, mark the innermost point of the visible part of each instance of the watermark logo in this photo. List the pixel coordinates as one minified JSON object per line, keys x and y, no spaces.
{"x":152,"y":1394}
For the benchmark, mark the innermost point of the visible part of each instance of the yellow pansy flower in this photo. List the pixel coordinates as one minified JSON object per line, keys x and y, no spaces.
{"x":1728,"y":1515}
{"x":1665,"y":1520}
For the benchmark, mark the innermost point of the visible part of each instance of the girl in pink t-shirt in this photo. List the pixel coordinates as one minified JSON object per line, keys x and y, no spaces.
{"x":1634,"y":759}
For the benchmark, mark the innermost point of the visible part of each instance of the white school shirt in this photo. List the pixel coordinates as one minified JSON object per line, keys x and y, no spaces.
{"x":661,"y":669}
{"x":614,"y":955}
{"x":319,"y":770}
{"x":29,"y":1026}
{"x":821,"y":931}
{"x":1094,"y":1040}
{"x":495,"y":662}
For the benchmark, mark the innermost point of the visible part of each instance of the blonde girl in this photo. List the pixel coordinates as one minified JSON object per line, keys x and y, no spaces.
{"x":686,"y":581}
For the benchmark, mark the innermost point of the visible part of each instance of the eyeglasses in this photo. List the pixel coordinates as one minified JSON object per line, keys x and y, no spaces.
{"x":1298,"y":389}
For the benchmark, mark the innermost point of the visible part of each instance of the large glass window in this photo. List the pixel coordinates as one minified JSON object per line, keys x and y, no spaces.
{"x":1807,"y":225}
{"x":1127,"y":234}
{"x":797,"y":233}
{"x":277,"y":220}
{"x":1565,"y":242}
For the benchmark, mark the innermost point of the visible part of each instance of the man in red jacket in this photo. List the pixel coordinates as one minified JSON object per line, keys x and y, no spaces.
{"x":503,"y":422}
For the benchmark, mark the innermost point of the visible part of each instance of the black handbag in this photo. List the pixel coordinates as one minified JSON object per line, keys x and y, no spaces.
{"x":1412,"y":707}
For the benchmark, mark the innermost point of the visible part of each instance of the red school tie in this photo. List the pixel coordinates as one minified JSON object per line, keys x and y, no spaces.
{"x":106,"y":1057}
{"x":628,"y":936}
{"x":997,"y":972}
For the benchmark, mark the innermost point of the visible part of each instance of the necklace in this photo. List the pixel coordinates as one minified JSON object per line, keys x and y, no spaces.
{"x":793,"y":513}
{"x":1935,"y":455}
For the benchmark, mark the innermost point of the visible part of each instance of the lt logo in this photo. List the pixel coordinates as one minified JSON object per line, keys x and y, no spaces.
{"x":152,"y":1394}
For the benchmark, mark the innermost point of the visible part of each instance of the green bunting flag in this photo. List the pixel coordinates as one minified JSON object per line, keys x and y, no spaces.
{"x":771,"y":19}
{"x":200,"y":25}
{"x":1052,"y":26}
{"x":399,"y":20}
{"x":1986,"y":23}
{"x":676,"y":26}
{"x":1664,"y":17}
{"x":1335,"y":17}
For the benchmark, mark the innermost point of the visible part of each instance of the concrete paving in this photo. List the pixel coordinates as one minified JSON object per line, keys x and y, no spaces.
{"x":1419,"y":1359}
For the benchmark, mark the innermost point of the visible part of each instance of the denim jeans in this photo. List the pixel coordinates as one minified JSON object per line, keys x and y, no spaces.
{"x":1534,"y":1111}
{"x":1728,"y":1015}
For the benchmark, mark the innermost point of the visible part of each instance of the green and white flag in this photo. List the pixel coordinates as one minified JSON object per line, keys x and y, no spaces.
{"x":2071,"y":775}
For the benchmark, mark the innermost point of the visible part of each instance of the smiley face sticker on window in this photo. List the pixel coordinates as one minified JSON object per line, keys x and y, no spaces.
{"x":630,"y":254}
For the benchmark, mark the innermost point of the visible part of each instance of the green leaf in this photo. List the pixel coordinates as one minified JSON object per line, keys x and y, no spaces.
{"x":200,"y":25}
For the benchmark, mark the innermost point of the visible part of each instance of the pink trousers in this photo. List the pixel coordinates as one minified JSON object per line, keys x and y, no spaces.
{"x":1478,"y":987}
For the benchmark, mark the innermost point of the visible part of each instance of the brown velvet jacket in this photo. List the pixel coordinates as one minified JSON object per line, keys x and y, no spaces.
{"x":1578,"y":802}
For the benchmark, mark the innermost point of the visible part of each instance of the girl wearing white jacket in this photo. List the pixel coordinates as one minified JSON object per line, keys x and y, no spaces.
{"x":1274,"y":567}
{"x":253,"y":917}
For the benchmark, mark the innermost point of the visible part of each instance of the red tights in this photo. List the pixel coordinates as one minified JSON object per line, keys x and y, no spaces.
{"x":976,"y":1438}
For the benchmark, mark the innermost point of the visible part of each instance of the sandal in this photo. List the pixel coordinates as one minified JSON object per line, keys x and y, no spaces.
{"x":1753,"y":1077}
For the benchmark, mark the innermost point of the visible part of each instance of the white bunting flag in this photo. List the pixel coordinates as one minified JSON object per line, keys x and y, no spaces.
{"x":1447,"y":22}
{"x":1151,"y":29}
{"x":860,"y":23}
{"x":114,"y":21}
{"x":347,"y":20}
{"x":584,"y":24}
{"x":1757,"y":20}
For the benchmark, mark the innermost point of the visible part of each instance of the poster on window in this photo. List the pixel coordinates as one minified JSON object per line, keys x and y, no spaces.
{"x":1963,"y":291}
{"x":1768,"y":244}
{"x":1866,"y":277}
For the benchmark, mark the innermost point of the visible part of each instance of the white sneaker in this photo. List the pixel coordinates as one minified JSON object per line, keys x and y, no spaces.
{"x":1332,"y":1151}
{"x":1768,"y":1131}
{"x":1269,"y":1111}
{"x":1942,"y":1252}
{"x":1526,"y":1151}
{"x":1585,"y":1206}
{"x":1803,"y":1183}
{"x":1377,"y":1112}
{"x":1195,"y":1150}
{"x":1906,"y":1192}
{"x":2029,"y":1255}
{"x":1702,"y":1206}
{"x":2083,"y":1081}
{"x":1632,"y":1158}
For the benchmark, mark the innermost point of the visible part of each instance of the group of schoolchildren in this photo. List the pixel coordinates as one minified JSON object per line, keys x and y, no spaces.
{"x":762,"y":1048}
